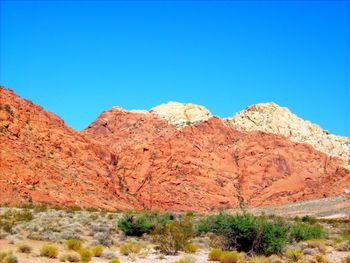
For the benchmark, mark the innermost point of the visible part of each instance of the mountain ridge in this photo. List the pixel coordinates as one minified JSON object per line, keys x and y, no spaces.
{"x":132,"y":160}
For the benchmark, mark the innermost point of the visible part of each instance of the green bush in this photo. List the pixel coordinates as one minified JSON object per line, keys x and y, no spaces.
{"x":11,"y":217}
{"x":172,"y":237}
{"x":85,"y":255}
{"x":215,"y":254}
{"x":73,"y":244}
{"x":309,"y":219}
{"x":247,"y":232}
{"x":49,"y":251}
{"x":303,"y":231}
{"x":114,"y":260}
{"x":137,"y":225}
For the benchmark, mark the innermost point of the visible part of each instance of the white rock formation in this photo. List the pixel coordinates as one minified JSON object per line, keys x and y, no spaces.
{"x":269,"y":117}
{"x":180,"y":114}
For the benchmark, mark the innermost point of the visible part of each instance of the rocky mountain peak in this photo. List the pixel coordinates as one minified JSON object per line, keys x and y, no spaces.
{"x":181,"y":114}
{"x":272,"y":118}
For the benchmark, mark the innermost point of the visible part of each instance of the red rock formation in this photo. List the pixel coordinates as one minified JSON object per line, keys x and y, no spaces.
{"x":133,"y":160}
{"x":211,"y":165}
{"x":42,"y":160}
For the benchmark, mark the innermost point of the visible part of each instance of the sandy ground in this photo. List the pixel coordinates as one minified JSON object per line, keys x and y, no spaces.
{"x":201,"y":256}
{"x":332,"y":207}
{"x":328,"y":208}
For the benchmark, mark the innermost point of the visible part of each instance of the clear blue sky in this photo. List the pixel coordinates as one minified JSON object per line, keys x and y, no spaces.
{"x":79,"y":58}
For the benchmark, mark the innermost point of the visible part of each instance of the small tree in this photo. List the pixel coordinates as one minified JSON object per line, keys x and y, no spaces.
{"x":173,"y":236}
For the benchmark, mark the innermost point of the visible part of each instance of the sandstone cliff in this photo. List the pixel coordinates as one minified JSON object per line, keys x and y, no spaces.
{"x":44,"y":161}
{"x":210,"y":165}
{"x":187,"y":160}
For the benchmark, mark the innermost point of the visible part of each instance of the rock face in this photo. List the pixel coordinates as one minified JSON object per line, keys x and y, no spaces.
{"x":210,"y":165}
{"x":136,"y":159}
{"x":44,"y":161}
{"x":269,"y":117}
{"x":181,"y":115}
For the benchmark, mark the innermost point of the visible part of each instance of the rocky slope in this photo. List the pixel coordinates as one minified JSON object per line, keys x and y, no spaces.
{"x":187,"y":160}
{"x":269,"y":117}
{"x":42,"y":160}
{"x":210,"y":165}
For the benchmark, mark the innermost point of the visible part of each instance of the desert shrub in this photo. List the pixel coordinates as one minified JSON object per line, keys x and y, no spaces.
{"x":229,"y":257}
{"x":114,"y":260}
{"x":275,"y":259}
{"x":23,"y":215}
{"x":190,"y":248}
{"x":342,"y":238}
{"x":73,"y":244}
{"x":108,"y":254}
{"x":96,"y":250}
{"x":70,"y":256}
{"x":128,"y":248}
{"x":137,"y":225}
{"x":102,"y":234}
{"x":309,"y":219}
{"x":294,"y":254}
{"x":49,"y":251}
{"x":10,"y":258}
{"x":85,"y":255}
{"x":173,"y":236}
{"x":346,"y":259}
{"x":11,"y":217}
{"x":186,"y":259}
{"x":321,"y":259}
{"x":143,"y":253}
{"x":40,"y":208}
{"x":217,"y":241}
{"x":7,"y":257}
{"x":134,"y":225}
{"x":215,"y":254}
{"x":319,"y":244}
{"x":3,"y":254}
{"x":304,"y":231}
{"x":190,"y":214}
{"x":23,"y":248}
{"x":260,"y":259}
{"x":247,"y":232}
